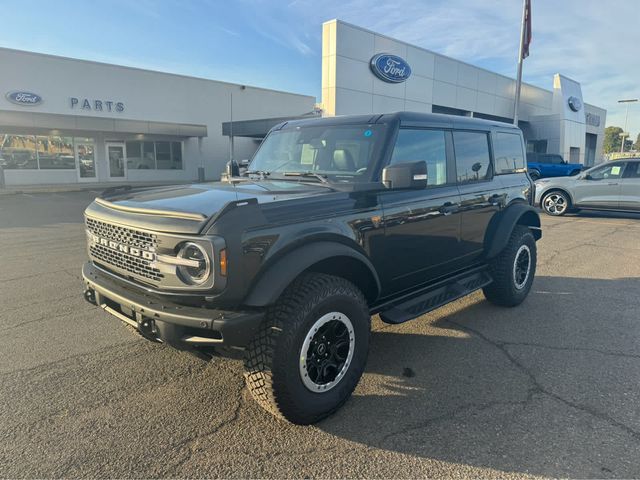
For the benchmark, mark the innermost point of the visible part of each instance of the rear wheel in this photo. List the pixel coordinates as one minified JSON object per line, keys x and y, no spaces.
{"x":556,"y":203}
{"x":311,"y":350}
{"x":513,"y":270}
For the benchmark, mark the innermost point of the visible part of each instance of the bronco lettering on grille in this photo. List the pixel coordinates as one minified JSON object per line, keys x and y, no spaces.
{"x":121,"y":247}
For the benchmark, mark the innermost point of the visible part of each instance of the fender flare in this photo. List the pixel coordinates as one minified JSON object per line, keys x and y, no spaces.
{"x":503,"y":223}
{"x":272,"y":282}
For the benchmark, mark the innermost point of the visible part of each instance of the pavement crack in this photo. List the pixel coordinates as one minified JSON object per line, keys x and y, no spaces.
{"x":541,"y":389}
{"x":44,"y":368}
{"x":571,"y":349}
{"x":452,"y":414}
{"x":188,"y":443}
{"x":40,"y":302}
{"x":40,"y":319}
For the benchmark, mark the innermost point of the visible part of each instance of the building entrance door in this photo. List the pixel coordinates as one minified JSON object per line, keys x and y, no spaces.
{"x":117,"y":159}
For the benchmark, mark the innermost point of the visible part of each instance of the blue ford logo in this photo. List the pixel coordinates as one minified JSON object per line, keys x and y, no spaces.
{"x":24,"y":98}
{"x":390,"y":68}
{"x":575,"y":104}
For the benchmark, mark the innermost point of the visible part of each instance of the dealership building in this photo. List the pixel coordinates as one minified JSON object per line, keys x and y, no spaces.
{"x":68,"y":121}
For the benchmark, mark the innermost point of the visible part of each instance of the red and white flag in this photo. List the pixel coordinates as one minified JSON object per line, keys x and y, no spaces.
{"x":526,"y":37}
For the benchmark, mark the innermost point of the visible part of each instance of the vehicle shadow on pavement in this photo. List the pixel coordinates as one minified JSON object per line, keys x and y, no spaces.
{"x":601,"y":214}
{"x":546,"y":388}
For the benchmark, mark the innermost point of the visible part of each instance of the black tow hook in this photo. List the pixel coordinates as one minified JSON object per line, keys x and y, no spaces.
{"x":90,"y":296}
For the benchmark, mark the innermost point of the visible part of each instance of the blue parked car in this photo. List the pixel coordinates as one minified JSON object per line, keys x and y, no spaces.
{"x":542,"y":165}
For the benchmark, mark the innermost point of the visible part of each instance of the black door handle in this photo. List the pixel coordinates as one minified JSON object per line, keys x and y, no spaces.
{"x":448,"y":208}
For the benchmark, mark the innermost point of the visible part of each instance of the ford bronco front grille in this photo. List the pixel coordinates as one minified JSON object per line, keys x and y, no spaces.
{"x":124,"y":248}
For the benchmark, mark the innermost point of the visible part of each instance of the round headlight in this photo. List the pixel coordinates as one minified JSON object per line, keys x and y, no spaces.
{"x":197,"y":267}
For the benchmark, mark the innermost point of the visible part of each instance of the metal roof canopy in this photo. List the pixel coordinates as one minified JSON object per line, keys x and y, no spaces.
{"x":260,"y":127}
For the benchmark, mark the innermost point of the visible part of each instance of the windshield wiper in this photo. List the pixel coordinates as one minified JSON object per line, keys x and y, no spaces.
{"x":319,"y":176}
{"x":260,"y":173}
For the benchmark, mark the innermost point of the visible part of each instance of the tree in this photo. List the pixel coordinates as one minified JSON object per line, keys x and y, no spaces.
{"x":612,"y":140}
{"x":636,"y":146}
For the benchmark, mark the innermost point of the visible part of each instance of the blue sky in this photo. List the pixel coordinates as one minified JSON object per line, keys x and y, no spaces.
{"x":277,"y":44}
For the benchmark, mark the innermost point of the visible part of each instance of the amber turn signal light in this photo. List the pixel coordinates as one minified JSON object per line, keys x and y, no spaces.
{"x":223,"y":262}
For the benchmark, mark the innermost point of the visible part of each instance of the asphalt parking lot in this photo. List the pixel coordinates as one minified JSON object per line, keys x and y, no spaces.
{"x":546,"y":389}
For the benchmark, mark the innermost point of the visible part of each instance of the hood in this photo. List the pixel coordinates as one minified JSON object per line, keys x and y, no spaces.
{"x":186,"y":208}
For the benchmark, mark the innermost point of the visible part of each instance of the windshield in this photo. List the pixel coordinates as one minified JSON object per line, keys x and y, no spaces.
{"x":340,"y":153}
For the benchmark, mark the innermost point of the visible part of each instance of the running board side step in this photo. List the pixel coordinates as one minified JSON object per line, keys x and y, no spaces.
{"x":436,"y":296}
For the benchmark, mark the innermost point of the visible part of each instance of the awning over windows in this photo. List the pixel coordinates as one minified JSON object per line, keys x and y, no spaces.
{"x":37,"y":122}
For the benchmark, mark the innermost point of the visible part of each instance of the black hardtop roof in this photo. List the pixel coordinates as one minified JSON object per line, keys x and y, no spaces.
{"x":404,"y":118}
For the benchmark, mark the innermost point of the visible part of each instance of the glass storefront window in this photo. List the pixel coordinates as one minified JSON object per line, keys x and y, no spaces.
{"x":161,"y":155}
{"x":52,"y":152}
{"x":86,"y":157}
{"x":134,"y":154}
{"x":18,"y":152}
{"x":148,"y":156}
{"x":176,"y":155}
{"x":56,"y":153}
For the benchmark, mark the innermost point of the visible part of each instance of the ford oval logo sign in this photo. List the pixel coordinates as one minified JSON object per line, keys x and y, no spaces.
{"x":575,"y":103}
{"x":390,"y":68}
{"x":24,"y":98}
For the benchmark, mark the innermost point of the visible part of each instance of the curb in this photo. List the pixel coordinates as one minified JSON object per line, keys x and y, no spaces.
{"x":19,"y":190}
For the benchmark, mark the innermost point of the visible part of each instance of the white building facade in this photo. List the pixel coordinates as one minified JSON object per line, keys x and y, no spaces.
{"x":441,"y":84}
{"x":67,"y":121}
{"x":71,"y":121}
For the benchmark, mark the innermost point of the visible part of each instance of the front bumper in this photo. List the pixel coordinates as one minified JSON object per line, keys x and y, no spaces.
{"x":180,"y":326}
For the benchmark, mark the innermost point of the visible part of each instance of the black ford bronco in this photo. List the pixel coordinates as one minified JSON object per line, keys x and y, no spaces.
{"x":335,"y":220}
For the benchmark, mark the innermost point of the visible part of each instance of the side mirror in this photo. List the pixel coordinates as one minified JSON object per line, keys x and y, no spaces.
{"x":586,"y":176}
{"x":405,"y":175}
{"x":233,"y":169}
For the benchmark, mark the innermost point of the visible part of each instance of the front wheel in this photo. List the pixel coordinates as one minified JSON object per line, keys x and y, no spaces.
{"x":513,"y":269}
{"x":556,"y":203}
{"x":310,"y":352}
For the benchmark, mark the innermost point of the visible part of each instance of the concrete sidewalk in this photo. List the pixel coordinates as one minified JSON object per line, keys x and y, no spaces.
{"x":79,"y":187}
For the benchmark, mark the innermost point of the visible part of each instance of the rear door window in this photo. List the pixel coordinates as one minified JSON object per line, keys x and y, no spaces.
{"x":508,"y":153}
{"x":473,"y":160}
{"x":633,"y":170}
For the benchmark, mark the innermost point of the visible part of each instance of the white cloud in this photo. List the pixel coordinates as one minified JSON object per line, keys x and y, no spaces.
{"x":592,"y":41}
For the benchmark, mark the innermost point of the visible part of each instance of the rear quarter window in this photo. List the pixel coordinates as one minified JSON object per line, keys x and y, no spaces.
{"x":508,"y":153}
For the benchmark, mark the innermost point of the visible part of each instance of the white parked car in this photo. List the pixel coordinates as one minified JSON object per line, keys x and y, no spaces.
{"x":610,"y":186}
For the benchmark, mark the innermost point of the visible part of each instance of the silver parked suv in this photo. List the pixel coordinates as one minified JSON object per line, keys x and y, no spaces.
{"x":612,"y":186}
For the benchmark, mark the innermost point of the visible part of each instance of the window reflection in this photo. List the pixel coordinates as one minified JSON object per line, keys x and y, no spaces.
{"x":18,"y":152}
{"x":52,"y":152}
{"x":55,"y":153}
{"x":154,"y":155}
{"x":86,"y":157}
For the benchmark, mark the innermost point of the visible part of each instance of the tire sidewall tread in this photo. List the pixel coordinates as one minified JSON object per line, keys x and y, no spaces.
{"x":502,"y":291}
{"x":271,"y":361}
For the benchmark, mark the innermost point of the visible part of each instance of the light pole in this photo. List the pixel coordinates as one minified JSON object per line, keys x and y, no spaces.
{"x":626,"y":117}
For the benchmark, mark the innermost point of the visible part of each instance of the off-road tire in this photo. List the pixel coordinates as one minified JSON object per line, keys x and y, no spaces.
{"x":503,"y":290}
{"x":272,"y":360}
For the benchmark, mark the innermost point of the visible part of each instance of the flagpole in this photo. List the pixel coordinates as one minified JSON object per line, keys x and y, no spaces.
{"x":516,"y":104}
